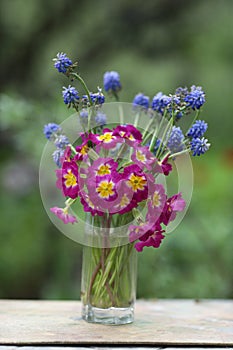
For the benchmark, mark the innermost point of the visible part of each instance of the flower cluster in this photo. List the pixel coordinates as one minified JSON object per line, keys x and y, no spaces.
{"x":141,"y":100}
{"x":173,"y":108}
{"x":113,"y":186}
{"x":150,"y":232}
{"x":70,"y":95}
{"x":175,"y":140}
{"x":198,"y":144}
{"x":112,"y":82}
{"x":178,"y":104}
{"x":62,"y":62}
{"x":113,"y":171}
{"x":53,"y":132}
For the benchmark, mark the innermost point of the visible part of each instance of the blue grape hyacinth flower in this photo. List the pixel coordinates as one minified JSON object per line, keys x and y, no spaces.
{"x":62,"y":62}
{"x":199,"y":146}
{"x":197,"y":129}
{"x":112,"y":81}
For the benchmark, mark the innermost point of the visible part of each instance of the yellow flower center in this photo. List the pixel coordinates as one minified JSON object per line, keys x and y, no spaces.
{"x":136,"y":182}
{"x":103,"y":170}
{"x":131,"y":138}
{"x":71,"y":179}
{"x":84,"y":150}
{"x":140,"y":156}
{"x":107,"y":137}
{"x":105,"y":189}
{"x":124,"y":201}
{"x":156,"y":199}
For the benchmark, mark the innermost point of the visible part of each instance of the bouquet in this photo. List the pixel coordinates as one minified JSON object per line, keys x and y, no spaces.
{"x":113,"y":174}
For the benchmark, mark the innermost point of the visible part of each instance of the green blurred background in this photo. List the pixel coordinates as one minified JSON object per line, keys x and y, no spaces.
{"x":156,"y":45}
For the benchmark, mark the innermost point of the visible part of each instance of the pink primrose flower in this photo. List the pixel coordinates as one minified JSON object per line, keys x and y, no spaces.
{"x":110,"y":192}
{"x":82,"y":151}
{"x":152,"y":241}
{"x":163,"y":167}
{"x":66,"y":155}
{"x":66,"y":158}
{"x":136,"y":180}
{"x":106,"y":140}
{"x":177,"y":202}
{"x":70,"y":179}
{"x":156,"y":201}
{"x":124,"y":201}
{"x":173,"y":205}
{"x":88,"y":206}
{"x":128,"y":132}
{"x":137,"y":231}
{"x":102,"y":167}
{"x":85,"y":136}
{"x":63,"y":215}
{"x":148,"y":233}
{"x":143,"y":157}
{"x":102,"y":191}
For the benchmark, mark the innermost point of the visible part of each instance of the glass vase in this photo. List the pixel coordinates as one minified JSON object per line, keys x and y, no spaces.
{"x":108,"y":287}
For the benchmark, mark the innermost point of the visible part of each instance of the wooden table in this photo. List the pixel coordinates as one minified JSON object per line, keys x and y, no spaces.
{"x":159,"y":324}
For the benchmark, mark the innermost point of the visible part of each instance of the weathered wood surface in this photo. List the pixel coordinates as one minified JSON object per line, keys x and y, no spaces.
{"x":162,"y":323}
{"x":36,"y":347}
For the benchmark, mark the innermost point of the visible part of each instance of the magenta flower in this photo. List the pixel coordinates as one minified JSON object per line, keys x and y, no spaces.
{"x":173,"y":205}
{"x":177,"y":203}
{"x":63,"y":215}
{"x":136,"y":180}
{"x":106,"y":140}
{"x":148,"y":233}
{"x":124,"y":201}
{"x":82,"y":151}
{"x":156,"y":201}
{"x":70,"y":179}
{"x":152,"y":241}
{"x":67,"y":154}
{"x":88,"y":206}
{"x":64,"y":156}
{"x":102,"y":191}
{"x":102,"y":166}
{"x":129,"y":133}
{"x":163,"y":167}
{"x":137,"y":231}
{"x":110,"y":192}
{"x":143,"y":157}
{"x":105,"y":188}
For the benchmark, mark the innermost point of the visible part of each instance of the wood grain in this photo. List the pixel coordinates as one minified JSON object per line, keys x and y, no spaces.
{"x":157,"y":323}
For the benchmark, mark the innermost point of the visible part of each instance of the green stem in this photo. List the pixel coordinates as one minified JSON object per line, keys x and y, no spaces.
{"x":179,"y":153}
{"x":93,"y":277}
{"x":144,"y":140}
{"x":115,"y":95}
{"x":123,"y":148}
{"x":169,"y":124}
{"x":121,"y":114}
{"x":136,"y":119}
{"x":156,"y":133}
{"x":92,"y":154}
{"x":127,"y":257}
{"x":72,"y":148}
{"x":83,"y":85}
{"x":147,"y":128}
{"x":69,"y":202}
{"x":194,"y":119}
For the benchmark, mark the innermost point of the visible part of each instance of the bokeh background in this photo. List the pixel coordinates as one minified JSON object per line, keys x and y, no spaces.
{"x":155,"y":45}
